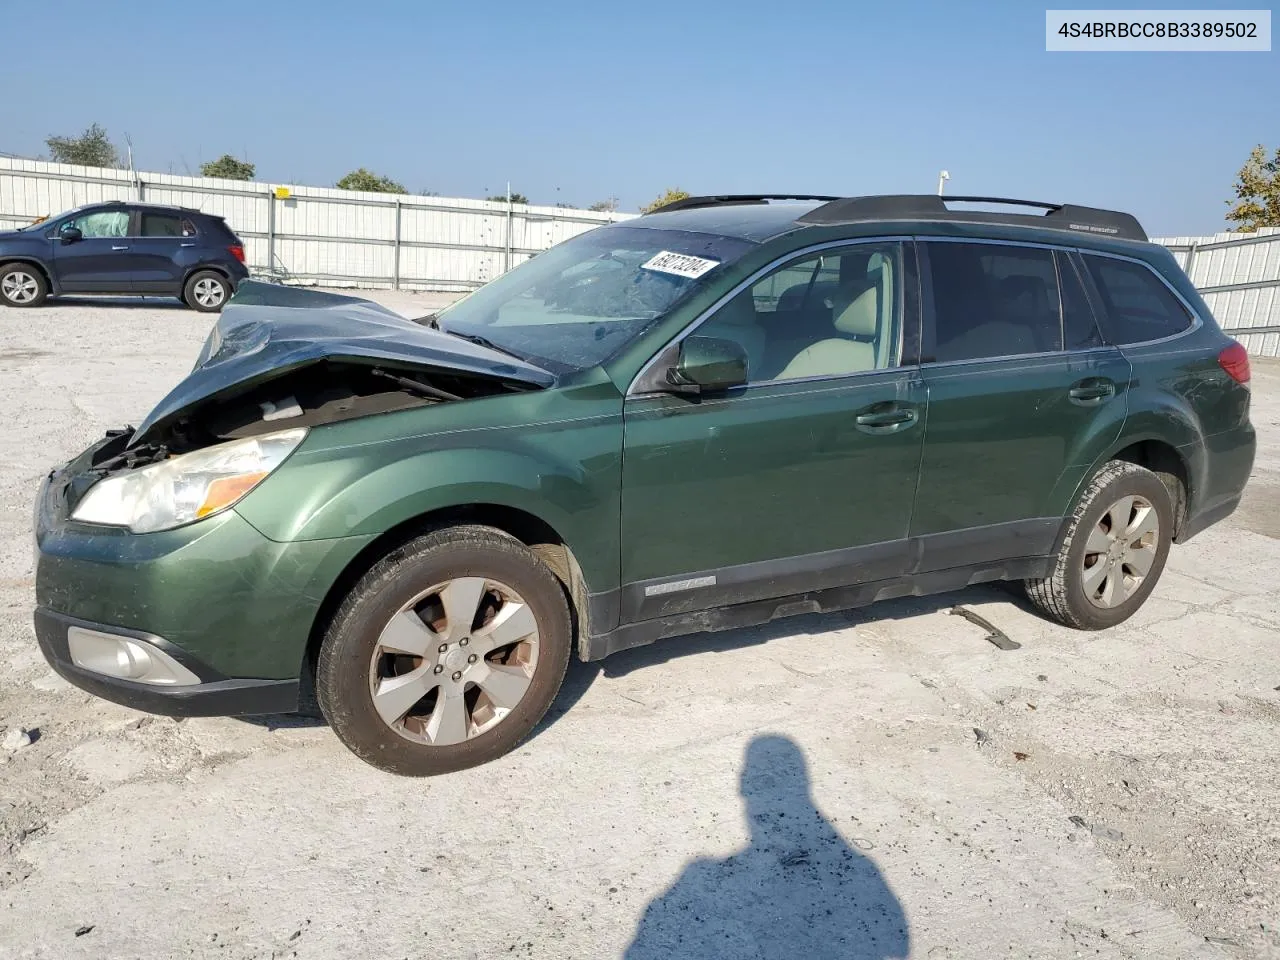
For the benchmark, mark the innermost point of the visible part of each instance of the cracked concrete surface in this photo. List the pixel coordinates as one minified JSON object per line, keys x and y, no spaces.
{"x":873,"y":784}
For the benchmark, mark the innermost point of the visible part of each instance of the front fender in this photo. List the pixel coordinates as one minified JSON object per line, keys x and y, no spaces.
{"x":572,"y":485}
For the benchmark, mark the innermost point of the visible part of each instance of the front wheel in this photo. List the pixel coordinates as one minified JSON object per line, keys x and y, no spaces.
{"x":206,"y":291}
{"x":446,"y":654}
{"x":22,"y":286}
{"x":1113,"y":552}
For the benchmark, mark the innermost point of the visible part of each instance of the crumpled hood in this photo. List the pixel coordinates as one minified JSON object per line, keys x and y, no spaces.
{"x":267,"y":330}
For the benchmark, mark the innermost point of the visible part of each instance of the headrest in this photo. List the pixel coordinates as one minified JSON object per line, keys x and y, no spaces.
{"x":859,"y":316}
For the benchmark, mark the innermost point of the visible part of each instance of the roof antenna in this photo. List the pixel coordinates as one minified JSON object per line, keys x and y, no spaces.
{"x":943,"y":177}
{"x":133,"y":174}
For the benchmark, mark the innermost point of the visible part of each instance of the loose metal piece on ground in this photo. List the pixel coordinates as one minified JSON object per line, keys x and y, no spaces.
{"x":995,"y":634}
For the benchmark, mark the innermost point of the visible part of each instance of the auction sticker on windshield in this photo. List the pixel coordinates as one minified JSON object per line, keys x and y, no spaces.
{"x":680,"y":264}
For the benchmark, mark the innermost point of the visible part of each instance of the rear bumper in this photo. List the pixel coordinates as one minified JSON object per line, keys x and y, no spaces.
{"x":215,"y":695}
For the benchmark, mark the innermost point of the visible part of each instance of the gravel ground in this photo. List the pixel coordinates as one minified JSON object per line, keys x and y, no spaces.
{"x":881,"y":783}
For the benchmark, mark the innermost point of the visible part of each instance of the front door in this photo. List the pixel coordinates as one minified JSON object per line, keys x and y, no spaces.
{"x":100,"y":261}
{"x":1022,"y":394}
{"x":802,"y":478}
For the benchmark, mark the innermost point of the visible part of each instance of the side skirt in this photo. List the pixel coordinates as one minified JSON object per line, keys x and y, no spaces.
{"x":750,"y":614}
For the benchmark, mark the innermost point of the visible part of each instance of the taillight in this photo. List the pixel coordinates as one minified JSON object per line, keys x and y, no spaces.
{"x":1235,"y":360}
{"x":237,"y":251}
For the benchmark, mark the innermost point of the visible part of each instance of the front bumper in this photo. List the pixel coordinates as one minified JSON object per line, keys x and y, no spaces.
{"x":237,"y":604}
{"x":214,"y":696}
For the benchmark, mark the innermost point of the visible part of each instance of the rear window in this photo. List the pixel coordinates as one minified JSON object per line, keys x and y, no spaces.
{"x":1139,"y":306}
{"x":166,"y":225}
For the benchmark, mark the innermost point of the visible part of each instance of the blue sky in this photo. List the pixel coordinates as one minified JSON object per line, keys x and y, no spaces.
{"x":576,"y":102}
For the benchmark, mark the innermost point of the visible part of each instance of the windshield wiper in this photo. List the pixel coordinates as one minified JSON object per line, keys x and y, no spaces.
{"x":482,"y":342}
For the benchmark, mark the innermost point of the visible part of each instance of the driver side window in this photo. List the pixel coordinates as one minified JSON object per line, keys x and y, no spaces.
{"x":101,"y":223}
{"x":823,"y":315}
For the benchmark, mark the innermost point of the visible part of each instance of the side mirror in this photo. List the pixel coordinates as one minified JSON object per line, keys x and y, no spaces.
{"x":70,"y":234}
{"x":708,"y":364}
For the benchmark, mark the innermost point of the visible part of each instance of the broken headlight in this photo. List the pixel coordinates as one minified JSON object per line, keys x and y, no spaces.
{"x":188,"y":487}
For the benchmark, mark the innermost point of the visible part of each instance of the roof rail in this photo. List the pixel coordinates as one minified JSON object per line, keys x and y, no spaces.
{"x":1057,"y":216}
{"x":689,"y":203}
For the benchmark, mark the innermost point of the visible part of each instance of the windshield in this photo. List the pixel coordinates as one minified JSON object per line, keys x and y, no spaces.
{"x":575,"y":305}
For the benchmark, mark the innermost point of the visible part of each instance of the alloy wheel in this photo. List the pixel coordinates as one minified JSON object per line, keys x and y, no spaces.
{"x":454,"y":661}
{"x":19,"y":287}
{"x":1120,"y":550}
{"x":208,"y":292}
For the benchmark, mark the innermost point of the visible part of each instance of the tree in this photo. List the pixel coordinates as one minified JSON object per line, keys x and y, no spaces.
{"x":608,"y":205}
{"x":229,"y":168}
{"x":515,"y":198}
{"x":671,"y":196}
{"x":90,"y":149}
{"x":1257,"y":190}
{"x":363,"y":179}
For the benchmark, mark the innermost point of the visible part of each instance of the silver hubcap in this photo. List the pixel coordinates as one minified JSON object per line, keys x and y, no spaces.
{"x":208,"y":292}
{"x":454,"y":662}
{"x":19,"y":287}
{"x":1120,"y":551}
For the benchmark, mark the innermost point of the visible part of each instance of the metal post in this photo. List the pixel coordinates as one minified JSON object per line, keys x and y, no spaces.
{"x":142,"y":191}
{"x":507,"y":262}
{"x":395,"y":279}
{"x":943,"y":177}
{"x":1191,"y":258}
{"x":271,"y":231}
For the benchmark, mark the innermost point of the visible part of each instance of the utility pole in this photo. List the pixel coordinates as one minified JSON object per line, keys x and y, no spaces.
{"x":943,"y":177}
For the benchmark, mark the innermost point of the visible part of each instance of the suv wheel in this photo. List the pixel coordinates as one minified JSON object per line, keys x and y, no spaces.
{"x":22,"y":285}
{"x":446,"y":654}
{"x":206,"y":291}
{"x":1115,"y":548}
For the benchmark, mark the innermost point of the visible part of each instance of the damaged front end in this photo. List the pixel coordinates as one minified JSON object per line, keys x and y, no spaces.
{"x":278,"y":362}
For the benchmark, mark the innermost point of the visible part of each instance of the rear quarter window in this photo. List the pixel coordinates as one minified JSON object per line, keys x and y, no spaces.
{"x":1139,"y":306}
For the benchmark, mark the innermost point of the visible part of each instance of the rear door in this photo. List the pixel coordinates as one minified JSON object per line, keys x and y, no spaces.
{"x":1023,"y":397}
{"x":99,"y":262}
{"x":799,"y":480}
{"x":164,"y":236}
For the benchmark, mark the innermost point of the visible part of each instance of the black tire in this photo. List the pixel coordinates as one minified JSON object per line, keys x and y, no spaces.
{"x":194,"y":291}
{"x":22,"y":285}
{"x":343,"y":680}
{"x":1062,"y":595}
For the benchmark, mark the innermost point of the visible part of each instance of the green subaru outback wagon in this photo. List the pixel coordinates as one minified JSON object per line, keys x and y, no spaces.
{"x":733,"y":409}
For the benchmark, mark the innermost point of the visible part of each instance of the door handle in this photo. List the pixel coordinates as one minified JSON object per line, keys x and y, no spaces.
{"x":1092,"y":391}
{"x":119,"y":248}
{"x":884,"y":419}
{"x":186,"y":244}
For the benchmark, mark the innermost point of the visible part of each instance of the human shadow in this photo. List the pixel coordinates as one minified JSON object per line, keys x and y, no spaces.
{"x":798,"y":890}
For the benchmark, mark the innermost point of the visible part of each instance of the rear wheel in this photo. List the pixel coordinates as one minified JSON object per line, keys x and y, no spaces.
{"x":22,"y":285}
{"x":1114,"y":550}
{"x":206,"y":291}
{"x":446,"y":654}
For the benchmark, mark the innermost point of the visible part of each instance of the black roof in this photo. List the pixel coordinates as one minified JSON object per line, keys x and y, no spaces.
{"x":763,"y":216}
{"x":141,"y":203}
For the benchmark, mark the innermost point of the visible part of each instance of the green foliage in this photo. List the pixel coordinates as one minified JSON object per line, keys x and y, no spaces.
{"x":1257,"y":190}
{"x":670,"y":196}
{"x":363,"y":179}
{"x":90,"y":149}
{"x":608,"y":205}
{"x":515,"y":198}
{"x":228,"y":167}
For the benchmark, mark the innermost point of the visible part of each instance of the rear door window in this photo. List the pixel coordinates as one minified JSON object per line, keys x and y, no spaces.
{"x":993,"y":300}
{"x":165,"y":225}
{"x":1139,"y":305}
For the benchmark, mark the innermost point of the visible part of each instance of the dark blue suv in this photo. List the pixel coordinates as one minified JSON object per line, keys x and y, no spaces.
{"x":120,"y":247}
